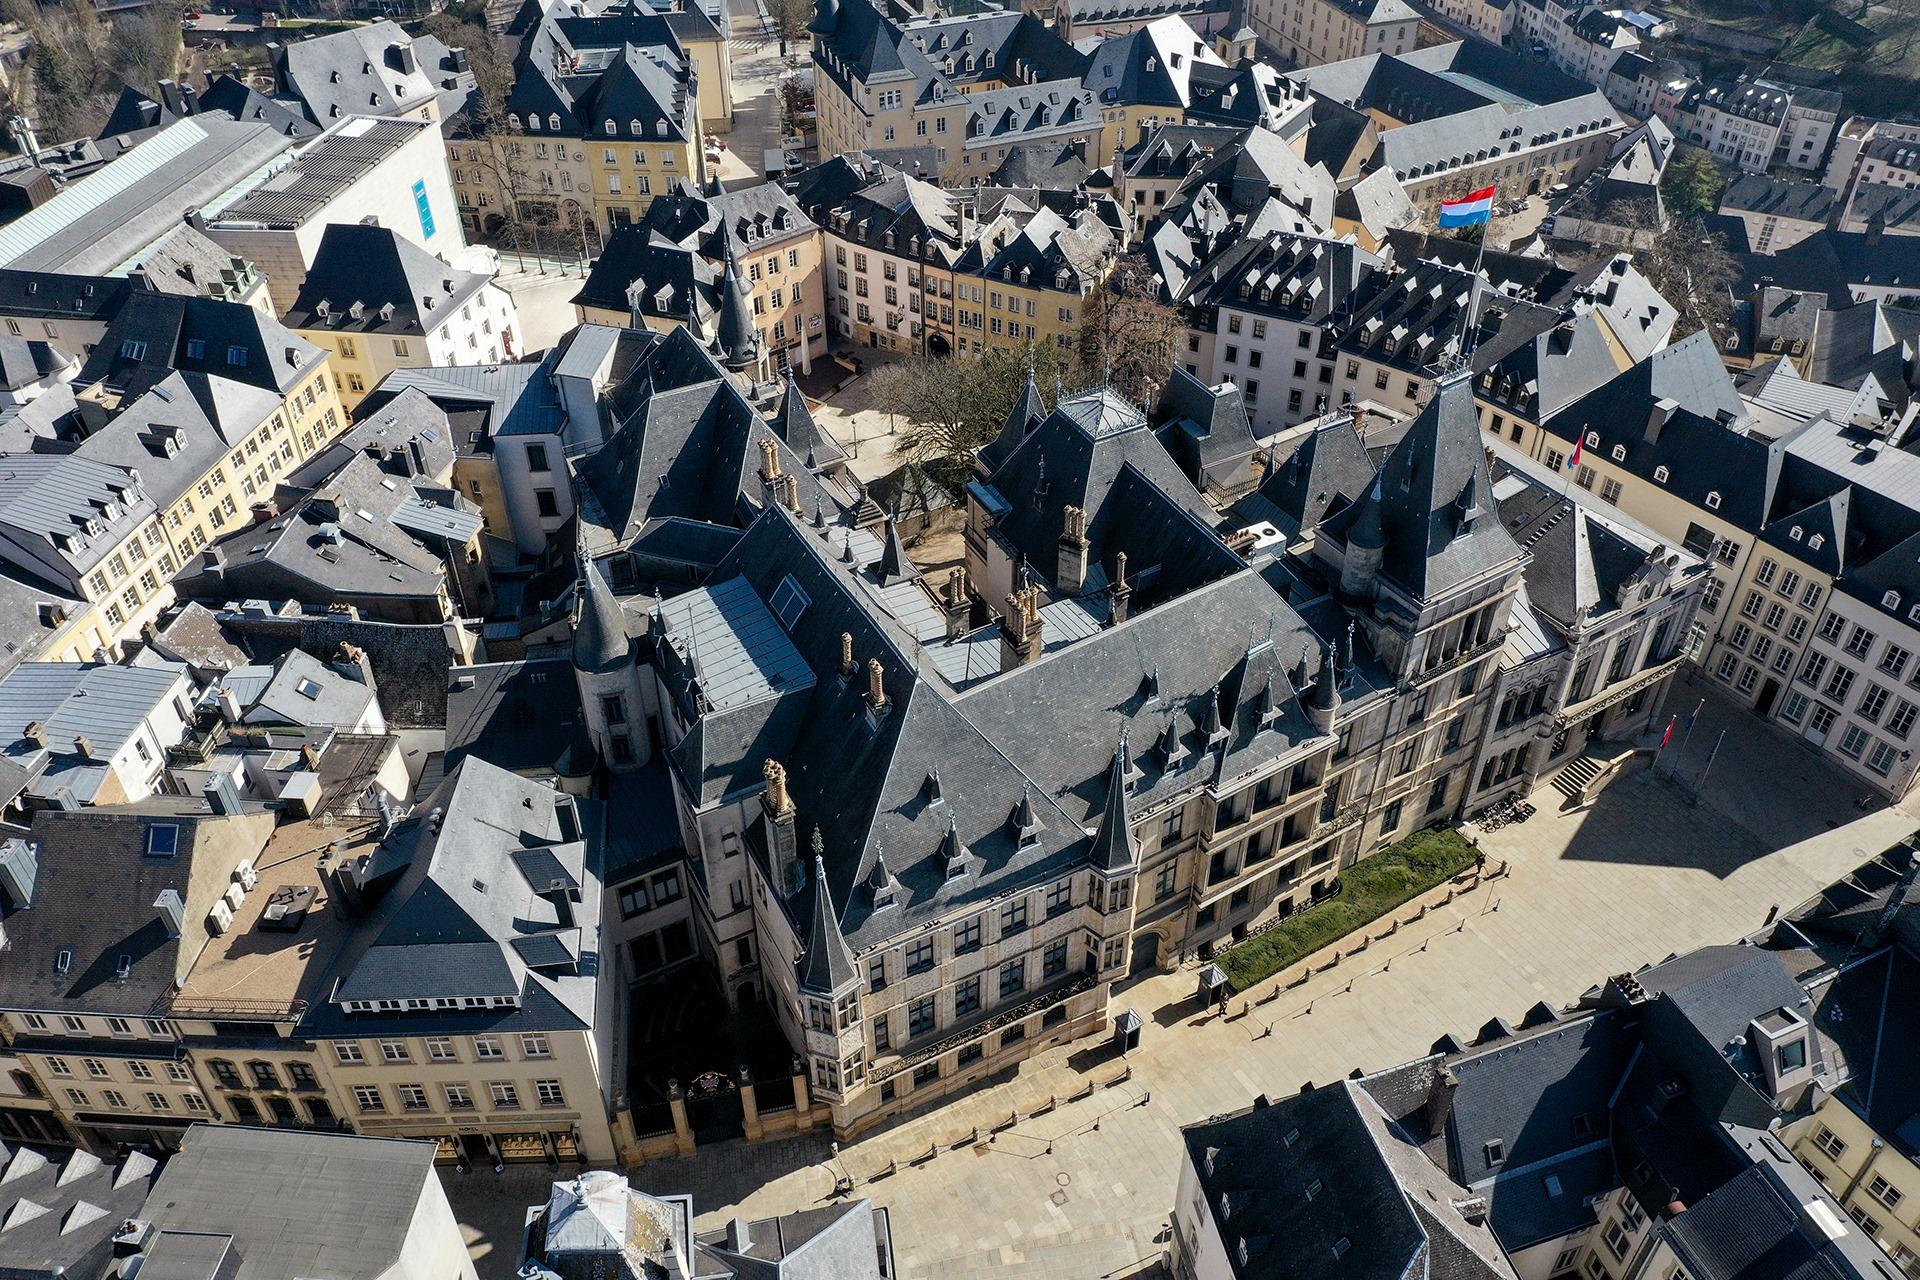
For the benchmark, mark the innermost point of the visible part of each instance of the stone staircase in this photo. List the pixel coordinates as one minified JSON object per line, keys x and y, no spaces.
{"x":1593,"y":770}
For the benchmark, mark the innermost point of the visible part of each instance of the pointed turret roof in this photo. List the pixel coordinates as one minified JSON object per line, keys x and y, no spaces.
{"x":600,"y":640}
{"x":1027,"y":413}
{"x":828,"y":964}
{"x":1417,"y":497}
{"x":894,"y":565}
{"x":737,"y":343}
{"x":1113,"y":844}
{"x":793,"y":421}
{"x":1326,"y":690}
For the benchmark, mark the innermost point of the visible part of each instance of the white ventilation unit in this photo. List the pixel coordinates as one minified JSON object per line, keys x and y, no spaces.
{"x":220,"y":919}
{"x":246,"y":876}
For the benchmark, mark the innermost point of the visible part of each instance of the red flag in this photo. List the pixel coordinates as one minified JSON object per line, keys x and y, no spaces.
{"x":1667,"y":737}
{"x":1579,"y":444}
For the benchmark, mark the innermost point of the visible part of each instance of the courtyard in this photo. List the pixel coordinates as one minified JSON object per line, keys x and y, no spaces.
{"x":1646,"y":870}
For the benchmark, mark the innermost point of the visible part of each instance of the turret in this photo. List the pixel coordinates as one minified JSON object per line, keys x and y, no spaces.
{"x":1366,"y":543}
{"x":608,"y":677}
{"x":737,"y":342}
{"x":1326,"y":693}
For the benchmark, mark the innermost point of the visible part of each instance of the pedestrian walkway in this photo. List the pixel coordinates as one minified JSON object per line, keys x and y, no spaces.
{"x":1084,"y":1190}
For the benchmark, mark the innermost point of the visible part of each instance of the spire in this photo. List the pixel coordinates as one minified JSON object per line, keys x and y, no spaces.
{"x":1326,"y":692}
{"x":827,"y":965}
{"x":600,"y":641}
{"x":1366,"y":530}
{"x":1169,"y":747}
{"x":737,"y":342}
{"x":1113,"y":844}
{"x":1025,"y":823}
{"x":1210,"y":716}
{"x":953,"y":853}
{"x":895,"y":565}
{"x":880,"y":881}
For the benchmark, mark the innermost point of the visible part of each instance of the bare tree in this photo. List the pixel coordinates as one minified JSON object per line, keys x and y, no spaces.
{"x":1693,"y":270}
{"x":1128,"y":336}
{"x":790,"y":20}
{"x":951,"y":407}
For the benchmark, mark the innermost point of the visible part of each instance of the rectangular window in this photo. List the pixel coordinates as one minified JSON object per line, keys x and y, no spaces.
{"x":920,"y":1016}
{"x":966,"y":997}
{"x":920,"y":955}
{"x":459,"y":1097}
{"x":1860,"y":643}
{"x":966,"y":936}
{"x":367,"y":1098}
{"x":1013,"y":917}
{"x":549,"y":1093}
{"x":440,"y":1049}
{"x":1872,"y":703}
{"x":393,"y":1051}
{"x":504,"y":1094}
{"x":1855,"y":741}
{"x":1013,"y":978}
{"x":1053,"y":960}
{"x":534,"y":1045}
{"x":487,"y":1049}
{"x":413,"y":1097}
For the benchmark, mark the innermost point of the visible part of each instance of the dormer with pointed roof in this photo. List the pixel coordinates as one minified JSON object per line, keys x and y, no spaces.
{"x":737,"y":341}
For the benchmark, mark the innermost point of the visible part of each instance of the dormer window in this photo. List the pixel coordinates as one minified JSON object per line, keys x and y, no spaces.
{"x":611,"y":128}
{"x":635,"y":128}
{"x":1817,"y":541}
{"x":1660,"y":475}
{"x":1619,"y":453}
{"x":1713,"y":500}
{"x":1796,"y":533}
{"x":1891,"y":600}
{"x":553,"y":121}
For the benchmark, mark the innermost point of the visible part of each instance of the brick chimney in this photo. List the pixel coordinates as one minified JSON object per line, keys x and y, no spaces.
{"x":955,"y":603}
{"x":782,"y":489}
{"x":1072,"y":571}
{"x":1021,"y":639}
{"x":1119,"y":595}
{"x":784,"y":844}
{"x":846,"y":656}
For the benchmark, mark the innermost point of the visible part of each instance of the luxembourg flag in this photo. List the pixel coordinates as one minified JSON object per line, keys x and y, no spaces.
{"x":1469,"y":210}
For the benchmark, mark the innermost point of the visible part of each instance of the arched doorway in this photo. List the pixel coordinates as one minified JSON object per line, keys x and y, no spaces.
{"x":938,"y":345}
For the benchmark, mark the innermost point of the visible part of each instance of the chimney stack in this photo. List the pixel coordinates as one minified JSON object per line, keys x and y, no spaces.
{"x":784,"y":850}
{"x":84,"y":746}
{"x":846,"y":656}
{"x":1072,"y":571}
{"x":958,"y":607}
{"x":1439,"y":1104}
{"x":1119,"y":595}
{"x":1021,"y":630}
{"x":36,"y":733}
{"x":876,"y":690}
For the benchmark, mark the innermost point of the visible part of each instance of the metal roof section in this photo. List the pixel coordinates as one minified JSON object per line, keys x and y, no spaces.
{"x":115,"y":212}
{"x":741,"y":652}
{"x":105,"y":703}
{"x":319,"y":173}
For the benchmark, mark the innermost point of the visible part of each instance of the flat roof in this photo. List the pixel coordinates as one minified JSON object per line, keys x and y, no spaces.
{"x":320,"y":173}
{"x":247,"y":970}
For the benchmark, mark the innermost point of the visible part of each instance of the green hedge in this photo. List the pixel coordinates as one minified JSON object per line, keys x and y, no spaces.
{"x":1369,"y":889}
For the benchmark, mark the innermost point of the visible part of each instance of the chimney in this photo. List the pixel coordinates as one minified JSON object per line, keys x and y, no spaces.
{"x":1658,"y":416}
{"x":84,"y":746}
{"x":876,"y":689}
{"x":1072,"y":571}
{"x":1021,"y":630}
{"x":171,"y":909}
{"x":404,"y":460}
{"x":310,"y":758}
{"x":784,"y":844}
{"x":739,"y":1236}
{"x":1439,"y":1104}
{"x":189,"y":98}
{"x":351,"y":662}
{"x":954,"y":600}
{"x":418,"y":453}
{"x":36,"y":733}
{"x":170,"y":98}
{"x":1119,"y":595}
{"x":846,"y":656}
{"x":213,"y":563}
{"x":222,"y":796}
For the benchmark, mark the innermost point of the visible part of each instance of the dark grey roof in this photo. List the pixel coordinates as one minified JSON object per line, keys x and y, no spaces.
{"x":833,"y":1242}
{"x":94,"y":900}
{"x":522,"y":716}
{"x":826,"y":964}
{"x":600,"y":639}
{"x":1779,"y":198}
{"x":1748,"y":1229}
{"x":1434,"y":499}
{"x":448,"y":905}
{"x":60,"y":1209}
{"x":300,"y":1203}
{"x":370,"y":279}
{"x":1319,"y":1186}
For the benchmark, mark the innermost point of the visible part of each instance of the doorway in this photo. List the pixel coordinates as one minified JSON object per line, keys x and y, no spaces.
{"x":1768,"y":692}
{"x":1146,"y":954}
{"x":474,"y":1149}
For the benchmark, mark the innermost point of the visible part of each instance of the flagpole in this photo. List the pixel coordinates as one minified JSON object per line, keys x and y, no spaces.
{"x":1699,"y":788}
{"x":1687,"y":736}
{"x":1658,"y":751}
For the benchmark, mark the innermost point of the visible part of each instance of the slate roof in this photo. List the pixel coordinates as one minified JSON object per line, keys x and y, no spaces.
{"x":453,"y":912}
{"x":370,"y":279}
{"x":1328,"y":468}
{"x":1312,"y":1188}
{"x":94,"y":902}
{"x":60,"y":1209}
{"x":828,"y":1243}
{"x":1203,"y":426}
{"x":206,"y":341}
{"x":1755,"y":193}
{"x":1749,"y":1228}
{"x":1096,"y":452}
{"x":1432,"y":496}
{"x":376,"y":69}
{"x":297,"y":1203}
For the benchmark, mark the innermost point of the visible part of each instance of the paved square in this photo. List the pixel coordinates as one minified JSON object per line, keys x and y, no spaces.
{"x":1084,"y":1190}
